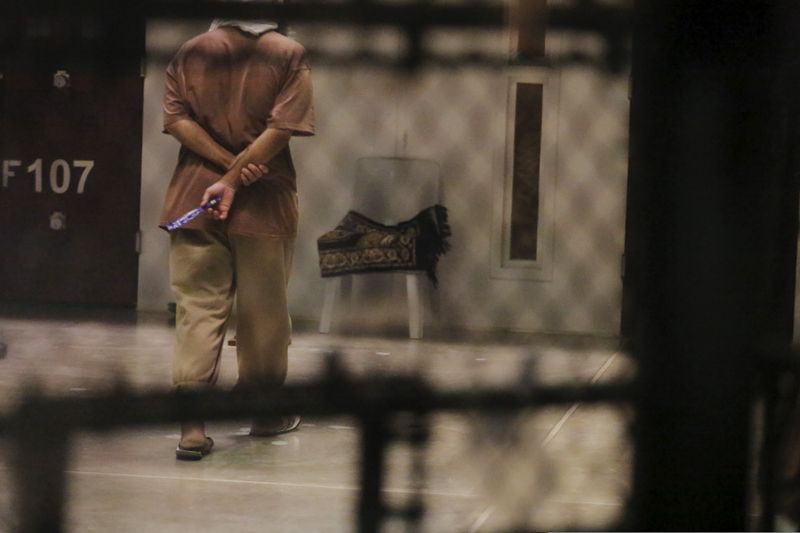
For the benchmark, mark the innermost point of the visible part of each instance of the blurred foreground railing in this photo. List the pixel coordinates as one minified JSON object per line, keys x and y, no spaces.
{"x":414,"y":21}
{"x":41,"y":428}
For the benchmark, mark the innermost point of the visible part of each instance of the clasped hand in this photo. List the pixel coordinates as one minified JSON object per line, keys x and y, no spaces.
{"x":249,"y":174}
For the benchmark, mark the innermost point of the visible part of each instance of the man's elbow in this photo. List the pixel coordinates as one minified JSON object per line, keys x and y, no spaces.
{"x":282,"y":135}
{"x":169,"y":129}
{"x":178,"y":128}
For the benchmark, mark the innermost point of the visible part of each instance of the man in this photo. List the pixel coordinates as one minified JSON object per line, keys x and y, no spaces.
{"x":234,"y":97}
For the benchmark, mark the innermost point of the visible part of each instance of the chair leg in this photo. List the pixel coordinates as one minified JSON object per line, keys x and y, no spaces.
{"x":414,"y":307}
{"x":332,"y":286}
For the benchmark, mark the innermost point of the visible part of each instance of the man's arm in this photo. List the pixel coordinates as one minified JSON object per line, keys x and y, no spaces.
{"x":265,"y":147}
{"x":191,"y":135}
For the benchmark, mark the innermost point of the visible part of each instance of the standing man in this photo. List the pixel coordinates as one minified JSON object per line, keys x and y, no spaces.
{"x":234,"y":97}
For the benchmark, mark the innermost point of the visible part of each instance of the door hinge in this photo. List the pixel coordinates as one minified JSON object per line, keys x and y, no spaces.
{"x":143,"y":67}
{"x":138,"y":242}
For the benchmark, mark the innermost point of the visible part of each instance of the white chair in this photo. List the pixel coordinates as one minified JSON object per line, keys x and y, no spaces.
{"x":390,"y":190}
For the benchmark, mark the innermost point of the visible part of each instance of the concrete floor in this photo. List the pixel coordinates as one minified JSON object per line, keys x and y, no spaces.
{"x":557,"y":468}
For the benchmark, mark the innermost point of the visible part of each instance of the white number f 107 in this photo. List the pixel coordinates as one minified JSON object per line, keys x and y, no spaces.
{"x":60,"y":174}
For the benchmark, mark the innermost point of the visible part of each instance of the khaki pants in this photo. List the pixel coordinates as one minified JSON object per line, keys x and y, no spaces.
{"x":207,"y":269}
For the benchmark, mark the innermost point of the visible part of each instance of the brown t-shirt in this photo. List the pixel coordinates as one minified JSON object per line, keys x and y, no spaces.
{"x":236,"y":85}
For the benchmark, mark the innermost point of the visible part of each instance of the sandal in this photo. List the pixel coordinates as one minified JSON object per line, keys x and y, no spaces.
{"x":194,"y":453}
{"x":261,"y":428}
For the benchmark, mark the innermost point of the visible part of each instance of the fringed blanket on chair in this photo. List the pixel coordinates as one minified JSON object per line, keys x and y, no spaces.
{"x":359,"y":244}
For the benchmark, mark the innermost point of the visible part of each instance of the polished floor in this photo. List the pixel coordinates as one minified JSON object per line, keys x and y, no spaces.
{"x":556,"y":468}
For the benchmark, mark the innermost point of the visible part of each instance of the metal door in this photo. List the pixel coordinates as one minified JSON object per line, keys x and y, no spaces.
{"x":70,"y":156}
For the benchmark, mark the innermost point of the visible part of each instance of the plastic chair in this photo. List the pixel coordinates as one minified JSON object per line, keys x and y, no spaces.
{"x":390,"y":190}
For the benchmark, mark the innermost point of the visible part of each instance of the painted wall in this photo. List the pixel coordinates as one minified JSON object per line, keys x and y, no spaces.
{"x":456,"y":117}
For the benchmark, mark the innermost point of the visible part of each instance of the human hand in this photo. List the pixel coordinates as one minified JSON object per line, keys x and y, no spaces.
{"x":225,"y":192}
{"x":252,"y":172}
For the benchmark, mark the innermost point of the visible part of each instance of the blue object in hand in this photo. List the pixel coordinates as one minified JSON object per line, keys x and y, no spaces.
{"x":191,"y":215}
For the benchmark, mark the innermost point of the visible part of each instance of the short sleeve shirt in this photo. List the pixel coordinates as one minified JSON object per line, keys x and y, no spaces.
{"x":236,"y":85}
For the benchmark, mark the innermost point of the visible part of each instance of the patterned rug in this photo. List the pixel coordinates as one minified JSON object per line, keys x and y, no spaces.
{"x":359,"y":244}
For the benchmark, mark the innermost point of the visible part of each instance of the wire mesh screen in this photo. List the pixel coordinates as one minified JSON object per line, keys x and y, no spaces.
{"x":529,"y":159}
{"x":510,"y":410}
{"x":562,"y":466}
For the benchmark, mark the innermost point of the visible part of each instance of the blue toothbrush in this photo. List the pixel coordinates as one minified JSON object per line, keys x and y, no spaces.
{"x":191,"y":215}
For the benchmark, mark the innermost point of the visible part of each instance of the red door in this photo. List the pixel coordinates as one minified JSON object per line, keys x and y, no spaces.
{"x":70,"y":161}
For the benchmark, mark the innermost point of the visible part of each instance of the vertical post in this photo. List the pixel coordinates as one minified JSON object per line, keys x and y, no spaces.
{"x":715,"y":204}
{"x":528,"y":26}
{"x":41,"y":449}
{"x":374,"y":437}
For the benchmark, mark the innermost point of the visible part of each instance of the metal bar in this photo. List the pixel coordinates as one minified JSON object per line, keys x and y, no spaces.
{"x":709,"y":152}
{"x":41,"y":426}
{"x":413,"y":19}
{"x":594,"y":18}
{"x":121,"y":407}
{"x":359,"y":13}
{"x":40,"y":459}
{"x":374,"y":438}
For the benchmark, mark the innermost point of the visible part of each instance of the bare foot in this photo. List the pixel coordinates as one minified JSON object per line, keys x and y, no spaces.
{"x":193,"y":434}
